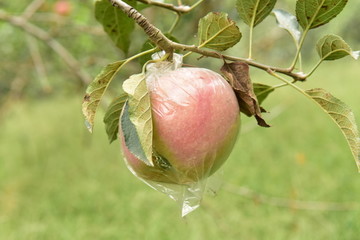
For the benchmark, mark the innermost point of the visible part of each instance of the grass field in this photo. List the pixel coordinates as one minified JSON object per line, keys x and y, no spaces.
{"x":57,"y":182}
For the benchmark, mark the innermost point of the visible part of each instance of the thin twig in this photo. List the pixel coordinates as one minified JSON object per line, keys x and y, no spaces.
{"x":213,"y":54}
{"x":38,"y":63}
{"x":291,"y":203}
{"x":78,"y":28}
{"x":39,"y":33}
{"x":171,"y":7}
{"x":176,"y":22}
{"x":156,"y":36}
{"x":32,"y":8}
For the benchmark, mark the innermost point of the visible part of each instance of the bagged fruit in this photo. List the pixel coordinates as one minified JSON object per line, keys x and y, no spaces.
{"x":196,"y":120}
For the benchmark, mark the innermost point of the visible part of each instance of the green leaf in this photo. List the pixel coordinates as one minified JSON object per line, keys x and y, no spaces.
{"x":253,"y":12}
{"x":217,"y":31}
{"x":343,"y":117}
{"x":332,"y":47}
{"x":315,"y":13}
{"x":141,"y":6}
{"x":131,"y":137}
{"x":112,"y":116}
{"x":116,"y":23}
{"x":262,"y":91}
{"x":95,"y":91}
{"x":288,"y":22}
{"x":139,"y":109}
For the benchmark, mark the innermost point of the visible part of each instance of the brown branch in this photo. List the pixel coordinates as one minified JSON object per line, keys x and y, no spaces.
{"x":77,"y":28}
{"x":171,"y":7}
{"x":57,"y":47}
{"x":38,"y":63}
{"x":32,"y":8}
{"x":290,"y":203}
{"x":156,"y":36}
{"x":193,"y":48}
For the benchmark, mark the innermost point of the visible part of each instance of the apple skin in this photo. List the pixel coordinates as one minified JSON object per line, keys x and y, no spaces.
{"x":196,"y":121}
{"x":62,"y":7}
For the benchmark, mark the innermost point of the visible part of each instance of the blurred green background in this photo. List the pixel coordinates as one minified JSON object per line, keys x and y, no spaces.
{"x":296,"y":180}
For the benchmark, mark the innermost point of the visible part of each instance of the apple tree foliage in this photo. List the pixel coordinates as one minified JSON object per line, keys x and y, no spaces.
{"x":216,"y":33}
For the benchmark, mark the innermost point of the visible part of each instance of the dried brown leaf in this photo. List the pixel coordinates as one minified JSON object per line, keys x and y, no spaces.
{"x":238,"y":75}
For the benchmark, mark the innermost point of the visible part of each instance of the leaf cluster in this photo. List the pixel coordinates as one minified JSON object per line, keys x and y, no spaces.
{"x":219,"y":33}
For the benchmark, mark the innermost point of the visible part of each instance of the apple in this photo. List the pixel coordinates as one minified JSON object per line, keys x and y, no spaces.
{"x":196,"y":121}
{"x":62,"y":7}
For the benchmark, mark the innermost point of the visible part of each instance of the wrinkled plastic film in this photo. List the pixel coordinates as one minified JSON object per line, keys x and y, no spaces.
{"x":187,"y":196}
{"x":193,"y":131}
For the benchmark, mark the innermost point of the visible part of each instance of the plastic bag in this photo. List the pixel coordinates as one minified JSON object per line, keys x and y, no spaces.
{"x":196,"y":120}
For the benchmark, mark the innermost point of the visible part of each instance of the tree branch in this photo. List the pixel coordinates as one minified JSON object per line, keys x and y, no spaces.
{"x":156,"y":36}
{"x":39,"y":33}
{"x":32,"y":8}
{"x":171,"y":7}
{"x":193,"y":48}
{"x":38,"y":63}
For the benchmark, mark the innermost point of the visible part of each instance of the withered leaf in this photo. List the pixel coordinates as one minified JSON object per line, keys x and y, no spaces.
{"x":238,"y":76}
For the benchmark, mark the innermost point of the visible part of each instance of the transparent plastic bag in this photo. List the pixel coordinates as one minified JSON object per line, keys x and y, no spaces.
{"x":196,"y":120}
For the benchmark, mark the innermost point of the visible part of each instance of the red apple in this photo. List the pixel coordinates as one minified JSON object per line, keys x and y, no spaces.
{"x":196,"y":121}
{"x":62,"y":7}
